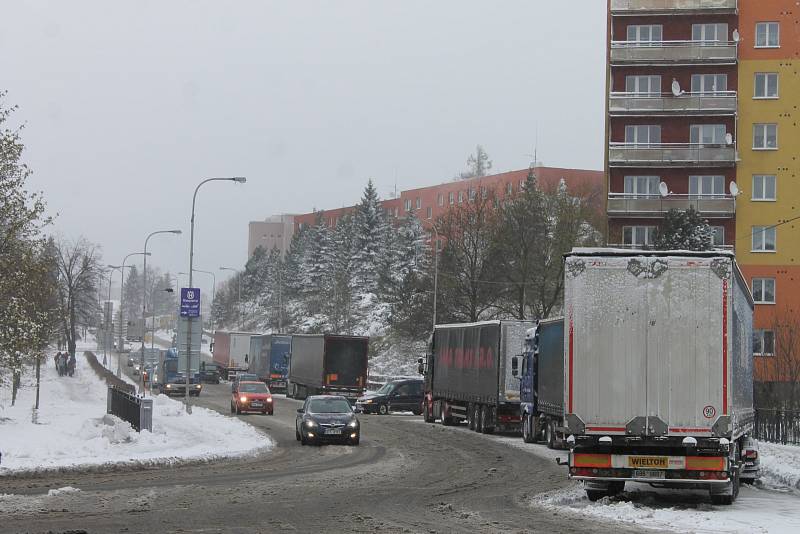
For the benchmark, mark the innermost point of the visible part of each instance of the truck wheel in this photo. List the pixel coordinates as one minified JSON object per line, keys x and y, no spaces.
{"x":527,"y":428}
{"x":615,"y":488}
{"x":487,"y":426}
{"x":550,"y":435}
{"x":383,"y":409}
{"x":470,"y":417}
{"x":477,"y":424}
{"x":446,"y":419}
{"x":595,"y":495}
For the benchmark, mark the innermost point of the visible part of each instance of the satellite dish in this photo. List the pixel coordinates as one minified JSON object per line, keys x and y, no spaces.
{"x":734,"y":189}
{"x":676,"y":88}
{"x":728,"y":139}
{"x":663,"y":190}
{"x":736,"y":36}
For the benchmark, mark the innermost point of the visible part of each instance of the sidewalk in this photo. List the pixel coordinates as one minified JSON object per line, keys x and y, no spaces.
{"x":73,"y":430}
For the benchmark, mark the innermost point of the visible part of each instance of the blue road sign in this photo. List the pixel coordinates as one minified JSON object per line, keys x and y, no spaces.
{"x":190,"y":302}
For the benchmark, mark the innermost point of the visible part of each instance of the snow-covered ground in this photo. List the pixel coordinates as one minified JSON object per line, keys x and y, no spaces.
{"x":771,"y":507}
{"x":73,"y":431}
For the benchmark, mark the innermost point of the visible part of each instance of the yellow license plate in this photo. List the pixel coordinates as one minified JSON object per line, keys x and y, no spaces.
{"x":648,"y":462}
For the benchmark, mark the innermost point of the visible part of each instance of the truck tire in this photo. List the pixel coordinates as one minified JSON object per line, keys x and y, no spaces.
{"x":595,"y":495}
{"x":527,"y":428}
{"x":550,"y":434}
{"x":446,"y":419}
{"x":735,"y":482}
{"x":487,"y":421}
{"x":470,"y":416}
{"x":615,"y":488}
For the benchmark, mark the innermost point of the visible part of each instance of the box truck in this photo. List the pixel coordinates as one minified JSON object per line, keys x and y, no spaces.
{"x":659,"y":370}
{"x":469,"y":376}
{"x":327,"y":364}
{"x":232,"y":352}
{"x":269,"y":359}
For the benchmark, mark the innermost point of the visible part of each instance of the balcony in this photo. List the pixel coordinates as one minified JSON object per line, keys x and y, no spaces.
{"x":628,"y":205}
{"x":673,"y":7}
{"x":644,"y":104}
{"x":673,"y":53}
{"x":670,"y":155}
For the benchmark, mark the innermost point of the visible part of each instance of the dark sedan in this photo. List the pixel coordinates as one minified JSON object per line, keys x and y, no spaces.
{"x":327,"y":418}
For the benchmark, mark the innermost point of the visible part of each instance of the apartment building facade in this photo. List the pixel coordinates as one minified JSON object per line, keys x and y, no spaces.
{"x":703,"y":94}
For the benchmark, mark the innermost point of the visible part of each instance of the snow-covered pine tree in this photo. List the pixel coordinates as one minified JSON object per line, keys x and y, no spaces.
{"x":342,"y":309}
{"x":368,"y":233}
{"x":315,"y":268}
{"x":684,"y":230}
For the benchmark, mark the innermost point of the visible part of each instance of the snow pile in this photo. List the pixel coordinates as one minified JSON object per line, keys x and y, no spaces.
{"x":72,"y":429}
{"x":62,"y":491}
{"x":780,"y":465}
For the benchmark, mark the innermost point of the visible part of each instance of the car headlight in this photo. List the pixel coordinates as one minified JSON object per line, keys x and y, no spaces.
{"x":243,"y":398}
{"x":352,"y":424}
{"x":269,"y":399}
{"x":310,"y":424}
{"x":169,"y":386}
{"x":197,"y":386}
{"x":368,"y":401}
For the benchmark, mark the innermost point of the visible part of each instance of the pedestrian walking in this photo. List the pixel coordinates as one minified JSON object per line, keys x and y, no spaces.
{"x":71,"y":365}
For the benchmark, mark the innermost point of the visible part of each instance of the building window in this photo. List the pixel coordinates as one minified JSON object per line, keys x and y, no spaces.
{"x":419,"y":203}
{"x":764,"y":290}
{"x":710,"y":32}
{"x":707,"y":134}
{"x":509,"y":188}
{"x":643,"y":85}
{"x":441,"y":199}
{"x":764,"y":342}
{"x":521,"y":185}
{"x":460,"y":197}
{"x":763,"y":239}
{"x":767,"y":35}
{"x":765,"y":136}
{"x":642,"y":134}
{"x":766,"y":85}
{"x":452,"y":198}
{"x":709,"y":83}
{"x":764,"y":187}
{"x":718,"y":239}
{"x":638,"y":235}
{"x":408,"y":204}
{"x":471,"y":194}
{"x":642,"y":186}
{"x":484,"y":192}
{"x":707,"y":185}
{"x":644,"y":33}
{"x":429,"y":212}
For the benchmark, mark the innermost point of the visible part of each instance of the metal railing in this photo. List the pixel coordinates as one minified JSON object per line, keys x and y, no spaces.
{"x":656,"y":205}
{"x":684,"y":154}
{"x":673,"y":52}
{"x":708,"y":103}
{"x":637,"y":7}
{"x":777,"y":426}
{"x":629,"y":246}
{"x":138,"y":411}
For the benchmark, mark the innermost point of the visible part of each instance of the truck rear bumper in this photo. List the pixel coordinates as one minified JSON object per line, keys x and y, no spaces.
{"x":681,"y":481}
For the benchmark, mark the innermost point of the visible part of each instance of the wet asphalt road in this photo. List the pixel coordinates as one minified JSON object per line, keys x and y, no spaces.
{"x":406,"y":476}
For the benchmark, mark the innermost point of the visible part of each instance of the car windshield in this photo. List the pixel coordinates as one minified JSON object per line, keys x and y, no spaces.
{"x":386,"y":388}
{"x":253,"y":388}
{"x":329,"y":406}
{"x":242,"y":378}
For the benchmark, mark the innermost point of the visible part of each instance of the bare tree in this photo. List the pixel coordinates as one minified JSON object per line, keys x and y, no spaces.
{"x":478,"y":165}
{"x":782,"y":369}
{"x":79,"y":272}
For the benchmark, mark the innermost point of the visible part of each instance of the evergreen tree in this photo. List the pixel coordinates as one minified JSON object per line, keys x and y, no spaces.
{"x":684,"y":230}
{"x":368,"y":234}
{"x":342,"y":308}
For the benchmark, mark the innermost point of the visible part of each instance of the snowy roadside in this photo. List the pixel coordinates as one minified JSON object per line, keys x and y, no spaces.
{"x":769,"y":508}
{"x":74,"y":432}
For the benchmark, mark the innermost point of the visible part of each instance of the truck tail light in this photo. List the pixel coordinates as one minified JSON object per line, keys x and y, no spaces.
{"x":751,"y":454}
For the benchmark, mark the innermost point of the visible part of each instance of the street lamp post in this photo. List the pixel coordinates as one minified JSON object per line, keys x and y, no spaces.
{"x":144,"y":294}
{"x":239,"y":279}
{"x":109,"y":320}
{"x":121,"y":343}
{"x":237,"y":179}
{"x":435,"y":271}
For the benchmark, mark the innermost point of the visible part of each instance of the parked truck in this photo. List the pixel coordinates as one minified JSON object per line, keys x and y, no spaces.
{"x":327,"y":364}
{"x":469,"y":375}
{"x":269,"y":359}
{"x":231,"y":352}
{"x":659,"y":370}
{"x":541,"y":376}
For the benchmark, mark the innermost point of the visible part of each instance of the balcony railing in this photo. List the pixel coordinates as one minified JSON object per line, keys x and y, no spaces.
{"x":632,"y":205}
{"x":670,"y":7}
{"x":673,"y":52}
{"x":628,"y":246}
{"x":670,"y":155}
{"x":717,"y":103}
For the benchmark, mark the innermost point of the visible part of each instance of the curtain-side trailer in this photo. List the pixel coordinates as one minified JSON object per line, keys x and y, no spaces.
{"x":327,"y":364}
{"x":469,"y":376}
{"x":269,"y":357}
{"x":659,"y":370}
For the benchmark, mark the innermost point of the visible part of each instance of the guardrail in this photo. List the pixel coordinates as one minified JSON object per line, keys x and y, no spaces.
{"x":136,"y":410}
{"x":778,"y":426}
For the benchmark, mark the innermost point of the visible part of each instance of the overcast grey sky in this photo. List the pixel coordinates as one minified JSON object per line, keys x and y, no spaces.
{"x":128,"y":105}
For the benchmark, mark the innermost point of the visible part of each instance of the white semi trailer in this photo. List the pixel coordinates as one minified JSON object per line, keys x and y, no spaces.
{"x":658,"y":370}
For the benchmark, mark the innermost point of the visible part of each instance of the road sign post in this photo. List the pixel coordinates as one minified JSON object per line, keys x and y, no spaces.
{"x":190,"y":309}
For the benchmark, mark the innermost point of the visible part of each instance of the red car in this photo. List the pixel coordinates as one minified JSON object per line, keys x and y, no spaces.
{"x":251,"y":397}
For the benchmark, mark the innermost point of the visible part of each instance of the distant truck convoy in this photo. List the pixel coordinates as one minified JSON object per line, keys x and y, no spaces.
{"x":269,"y":359}
{"x":327,"y":364}
{"x":541,"y":374}
{"x":469,"y":375}
{"x":232,"y":351}
{"x":658,"y":371}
